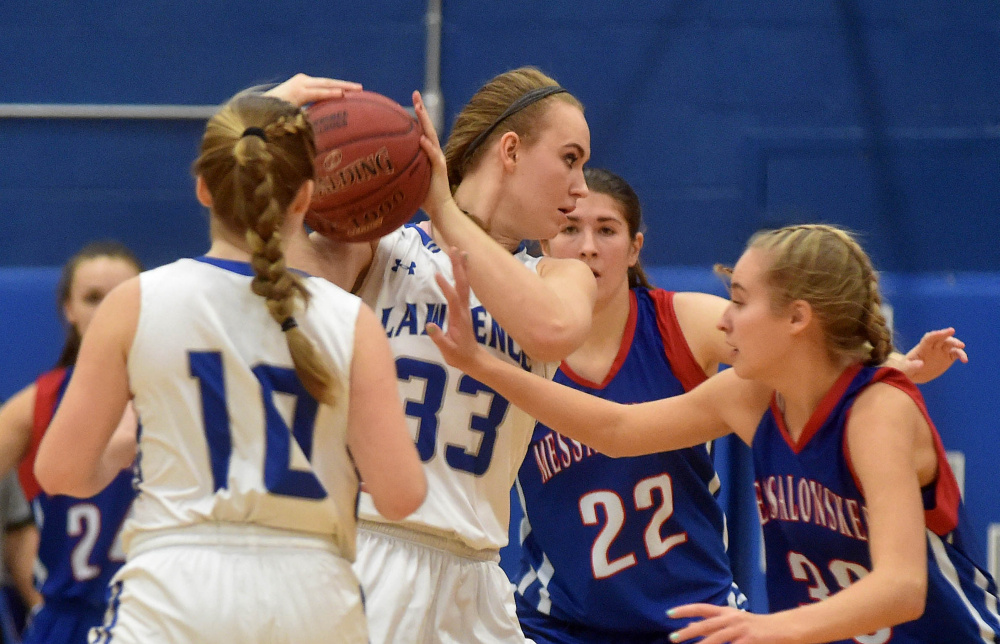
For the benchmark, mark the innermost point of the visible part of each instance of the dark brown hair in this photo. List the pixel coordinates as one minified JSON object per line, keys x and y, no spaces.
{"x":608,"y":183}
{"x":103,"y":248}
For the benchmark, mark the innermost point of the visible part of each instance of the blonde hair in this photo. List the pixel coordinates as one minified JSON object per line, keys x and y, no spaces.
{"x":256,"y":153}
{"x":826,"y":267}
{"x":487,"y":105}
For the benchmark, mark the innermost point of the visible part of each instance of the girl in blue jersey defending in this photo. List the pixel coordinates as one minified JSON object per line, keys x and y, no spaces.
{"x":262,"y":395}
{"x":862,"y":519}
{"x":610,"y":544}
{"x":79,"y":549}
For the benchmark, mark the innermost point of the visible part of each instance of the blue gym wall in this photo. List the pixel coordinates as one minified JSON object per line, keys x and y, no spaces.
{"x":726,"y":116}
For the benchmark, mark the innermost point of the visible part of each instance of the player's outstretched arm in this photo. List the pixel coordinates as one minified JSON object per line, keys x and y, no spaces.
{"x":718,"y":407}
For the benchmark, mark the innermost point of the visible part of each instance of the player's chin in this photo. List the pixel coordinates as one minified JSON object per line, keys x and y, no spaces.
{"x":553,"y":226}
{"x":740,"y":366}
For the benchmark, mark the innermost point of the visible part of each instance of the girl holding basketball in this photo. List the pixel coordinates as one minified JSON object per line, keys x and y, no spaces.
{"x":262,"y":397}
{"x":515,"y":165}
{"x":862,"y":518}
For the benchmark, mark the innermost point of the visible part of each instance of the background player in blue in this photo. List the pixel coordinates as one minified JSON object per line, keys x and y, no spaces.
{"x":862,"y":515}
{"x":262,"y":395}
{"x":78,"y":548}
{"x":610,"y":544}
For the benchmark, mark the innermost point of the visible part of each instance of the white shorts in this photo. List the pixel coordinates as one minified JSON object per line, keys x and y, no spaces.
{"x":423,"y":589}
{"x":233,"y":584}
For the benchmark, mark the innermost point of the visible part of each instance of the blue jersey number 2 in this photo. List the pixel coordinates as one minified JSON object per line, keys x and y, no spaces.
{"x":279,"y":477}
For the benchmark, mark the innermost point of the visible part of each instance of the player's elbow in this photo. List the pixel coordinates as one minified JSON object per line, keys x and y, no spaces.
{"x":904,"y":598}
{"x":613,"y":440}
{"x":404,"y":500}
{"x":553,"y":341}
{"x":55,"y":476}
{"x":910,"y":598}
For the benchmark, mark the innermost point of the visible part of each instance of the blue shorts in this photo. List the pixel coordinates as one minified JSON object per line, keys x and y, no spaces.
{"x":544,"y":629}
{"x":63,"y":622}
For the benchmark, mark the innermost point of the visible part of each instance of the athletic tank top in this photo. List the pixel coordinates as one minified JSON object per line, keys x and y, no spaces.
{"x":229,"y":433}
{"x":613,"y":543}
{"x":470,"y":439}
{"x":816,"y":528}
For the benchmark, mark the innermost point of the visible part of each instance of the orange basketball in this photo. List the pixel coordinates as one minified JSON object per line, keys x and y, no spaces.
{"x":371,"y":173}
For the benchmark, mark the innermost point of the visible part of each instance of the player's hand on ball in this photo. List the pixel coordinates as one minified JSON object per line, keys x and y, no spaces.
{"x":439,"y":192}
{"x":302,"y":88}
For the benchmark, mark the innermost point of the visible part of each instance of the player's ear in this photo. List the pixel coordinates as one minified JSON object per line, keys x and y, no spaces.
{"x":510,"y":144}
{"x":635,"y":247}
{"x":303,"y":197}
{"x":800,"y":315}
{"x":202,"y":192}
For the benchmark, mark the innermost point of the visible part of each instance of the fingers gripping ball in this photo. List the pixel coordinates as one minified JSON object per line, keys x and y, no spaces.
{"x":371,"y":173}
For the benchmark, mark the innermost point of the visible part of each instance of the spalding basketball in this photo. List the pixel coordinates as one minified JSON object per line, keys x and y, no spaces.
{"x":371,"y":173}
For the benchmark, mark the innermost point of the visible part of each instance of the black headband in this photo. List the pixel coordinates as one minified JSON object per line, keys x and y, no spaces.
{"x":524,"y":100}
{"x":255,"y":131}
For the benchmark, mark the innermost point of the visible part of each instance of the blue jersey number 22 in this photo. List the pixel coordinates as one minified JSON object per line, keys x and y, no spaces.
{"x":279,"y":478}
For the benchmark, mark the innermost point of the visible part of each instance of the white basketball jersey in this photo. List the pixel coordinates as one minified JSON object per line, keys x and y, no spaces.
{"x":228,"y":433}
{"x":470,"y":439}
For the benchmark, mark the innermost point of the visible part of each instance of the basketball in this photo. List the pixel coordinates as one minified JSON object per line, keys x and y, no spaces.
{"x":371,"y":173}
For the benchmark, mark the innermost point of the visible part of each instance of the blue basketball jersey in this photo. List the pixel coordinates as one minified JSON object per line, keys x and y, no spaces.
{"x":611,"y":544}
{"x":79,"y":550}
{"x":815,"y":522}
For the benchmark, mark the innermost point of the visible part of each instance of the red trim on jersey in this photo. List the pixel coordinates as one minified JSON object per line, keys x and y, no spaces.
{"x":46,"y":394}
{"x":943,"y":517}
{"x":819,"y":415}
{"x":683,"y":364}
{"x":623,"y":348}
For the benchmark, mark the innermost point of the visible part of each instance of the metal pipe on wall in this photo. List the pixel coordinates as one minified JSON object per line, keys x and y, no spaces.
{"x":97,"y":111}
{"x":431,"y":93}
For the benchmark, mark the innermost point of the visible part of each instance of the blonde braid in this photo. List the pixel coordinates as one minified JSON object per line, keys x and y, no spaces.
{"x":872,"y":318}
{"x":253,"y":180}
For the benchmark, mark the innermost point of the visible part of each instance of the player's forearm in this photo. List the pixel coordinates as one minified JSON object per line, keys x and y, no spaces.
{"x":574,"y":414}
{"x":546,"y":323}
{"x":869,"y":605}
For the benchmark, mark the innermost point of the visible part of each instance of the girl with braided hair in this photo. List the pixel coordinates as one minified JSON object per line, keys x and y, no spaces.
{"x":262,"y":396}
{"x":862,"y":518}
